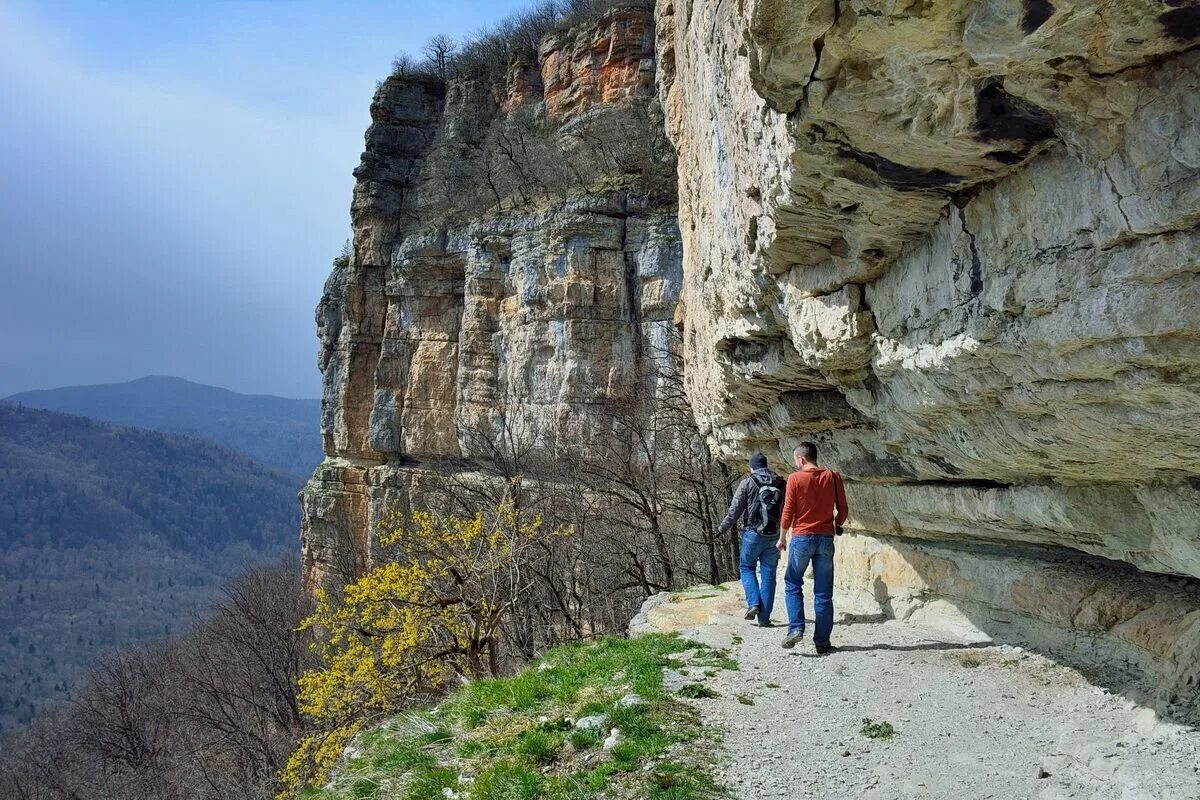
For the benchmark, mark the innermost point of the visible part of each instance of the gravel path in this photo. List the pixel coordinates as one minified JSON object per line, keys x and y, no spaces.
{"x":971,"y":719}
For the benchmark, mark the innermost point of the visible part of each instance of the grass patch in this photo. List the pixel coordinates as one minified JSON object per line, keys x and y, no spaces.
{"x":513,"y":738}
{"x":711,"y":657}
{"x":508,"y":780}
{"x":773,"y":686}
{"x":584,"y":739}
{"x":877,"y":730}
{"x":671,"y":780}
{"x":540,"y":747}
{"x":430,"y":783}
{"x":970,"y":662}
{"x":696,"y":691}
{"x":744,"y":700}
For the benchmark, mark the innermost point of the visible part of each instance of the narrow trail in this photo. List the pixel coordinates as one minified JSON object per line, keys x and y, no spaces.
{"x":972,"y":719}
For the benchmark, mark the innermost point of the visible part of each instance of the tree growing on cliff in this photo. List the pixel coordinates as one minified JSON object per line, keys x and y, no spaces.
{"x":665,"y":492}
{"x":345,"y":256}
{"x":485,"y":57}
{"x":438,"y":52}
{"x":401,"y":632}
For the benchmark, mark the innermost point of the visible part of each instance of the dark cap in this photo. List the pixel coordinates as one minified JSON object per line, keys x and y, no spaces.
{"x":758,"y":461}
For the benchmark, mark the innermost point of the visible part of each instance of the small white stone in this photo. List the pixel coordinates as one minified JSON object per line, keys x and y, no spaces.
{"x":630,"y":700}
{"x":593,"y":722}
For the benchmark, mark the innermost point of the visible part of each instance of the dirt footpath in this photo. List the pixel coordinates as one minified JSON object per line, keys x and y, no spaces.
{"x":970,"y":719}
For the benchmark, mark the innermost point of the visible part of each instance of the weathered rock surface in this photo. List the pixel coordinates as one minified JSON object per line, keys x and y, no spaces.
{"x":1138,"y":632}
{"x":516,"y":256}
{"x":955,"y":243}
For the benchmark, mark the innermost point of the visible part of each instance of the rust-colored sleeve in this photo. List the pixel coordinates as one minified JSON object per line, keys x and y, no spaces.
{"x":790,"y":500}
{"x":840,"y":491}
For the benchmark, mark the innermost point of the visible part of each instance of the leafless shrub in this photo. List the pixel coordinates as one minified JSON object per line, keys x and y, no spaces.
{"x":485,"y":56}
{"x":211,"y":714}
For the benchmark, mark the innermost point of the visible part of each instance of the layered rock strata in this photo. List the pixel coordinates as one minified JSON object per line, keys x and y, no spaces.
{"x":516,"y":259}
{"x":952,"y":241}
{"x":955,"y":243}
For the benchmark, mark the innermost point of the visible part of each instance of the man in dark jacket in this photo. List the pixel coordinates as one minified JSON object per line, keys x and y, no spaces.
{"x":759,"y":499}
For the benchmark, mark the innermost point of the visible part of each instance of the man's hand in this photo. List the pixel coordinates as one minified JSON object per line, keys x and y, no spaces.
{"x":781,"y":545}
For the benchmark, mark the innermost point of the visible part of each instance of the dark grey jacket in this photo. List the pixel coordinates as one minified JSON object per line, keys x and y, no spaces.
{"x":740,"y":507}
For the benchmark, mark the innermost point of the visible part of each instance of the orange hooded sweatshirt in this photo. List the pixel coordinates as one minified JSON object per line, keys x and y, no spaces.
{"x":809,"y":502}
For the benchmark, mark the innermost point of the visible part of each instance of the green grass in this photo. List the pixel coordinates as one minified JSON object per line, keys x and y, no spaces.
{"x":711,"y":657}
{"x":538,"y":746}
{"x":744,"y":700}
{"x":671,"y":780}
{"x":512,"y":738}
{"x":877,"y":730}
{"x":696,"y":691}
{"x":772,"y":685}
{"x":508,"y":780}
{"x":430,"y":782}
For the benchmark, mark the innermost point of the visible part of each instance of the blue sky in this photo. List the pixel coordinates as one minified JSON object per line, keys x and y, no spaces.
{"x":175,"y":178}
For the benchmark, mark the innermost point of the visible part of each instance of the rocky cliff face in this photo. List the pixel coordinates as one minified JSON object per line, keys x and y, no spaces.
{"x":955,"y":243}
{"x":516,"y":256}
{"x":952,"y":241}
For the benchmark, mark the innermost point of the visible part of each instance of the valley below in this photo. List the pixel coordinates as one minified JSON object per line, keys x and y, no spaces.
{"x":111,"y":536}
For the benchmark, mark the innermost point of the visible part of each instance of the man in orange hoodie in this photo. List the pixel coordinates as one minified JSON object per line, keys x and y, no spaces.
{"x":814,"y":510}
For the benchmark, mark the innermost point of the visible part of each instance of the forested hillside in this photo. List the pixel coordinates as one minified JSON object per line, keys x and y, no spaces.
{"x":277,"y":431}
{"x":110,"y":535}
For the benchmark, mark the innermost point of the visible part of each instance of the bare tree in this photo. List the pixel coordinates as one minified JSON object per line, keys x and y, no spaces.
{"x":438,"y":52}
{"x":209,"y":715}
{"x":403,"y":65}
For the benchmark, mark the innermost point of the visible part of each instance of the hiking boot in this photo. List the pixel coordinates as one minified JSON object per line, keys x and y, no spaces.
{"x":822,"y":649}
{"x":751,"y":612}
{"x":767,"y":624}
{"x":792,"y":639}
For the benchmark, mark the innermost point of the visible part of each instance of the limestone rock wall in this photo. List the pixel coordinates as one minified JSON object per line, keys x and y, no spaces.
{"x":955,"y":243}
{"x":516,"y":255}
{"x":1137,"y":633}
{"x":952,"y":241}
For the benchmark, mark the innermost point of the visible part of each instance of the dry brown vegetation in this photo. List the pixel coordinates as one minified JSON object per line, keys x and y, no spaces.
{"x":209,"y":714}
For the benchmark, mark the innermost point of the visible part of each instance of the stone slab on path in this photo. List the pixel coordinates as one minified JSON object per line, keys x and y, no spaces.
{"x":973,"y":718}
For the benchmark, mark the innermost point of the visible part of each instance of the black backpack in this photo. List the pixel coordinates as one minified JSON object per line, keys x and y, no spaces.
{"x":765,"y":503}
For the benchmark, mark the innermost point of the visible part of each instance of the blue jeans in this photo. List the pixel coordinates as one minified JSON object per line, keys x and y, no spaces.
{"x":801,"y":550}
{"x":759,"y":552}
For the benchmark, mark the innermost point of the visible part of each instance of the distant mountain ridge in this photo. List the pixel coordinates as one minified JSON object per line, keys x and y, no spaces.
{"x":110,"y":534}
{"x":280,"y":432}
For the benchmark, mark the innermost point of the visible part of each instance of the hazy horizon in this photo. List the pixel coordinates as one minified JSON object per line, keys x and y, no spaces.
{"x":145,"y":378}
{"x":176,"y":180}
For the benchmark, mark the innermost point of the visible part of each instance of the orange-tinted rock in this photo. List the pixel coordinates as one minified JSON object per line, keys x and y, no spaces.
{"x":599,"y":65}
{"x":501,"y":270}
{"x":522,"y":85}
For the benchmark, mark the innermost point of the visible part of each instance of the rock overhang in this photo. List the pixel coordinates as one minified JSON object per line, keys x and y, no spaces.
{"x":974,"y":222}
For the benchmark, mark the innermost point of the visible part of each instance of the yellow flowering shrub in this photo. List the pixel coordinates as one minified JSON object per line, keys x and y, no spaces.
{"x":399,"y":633}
